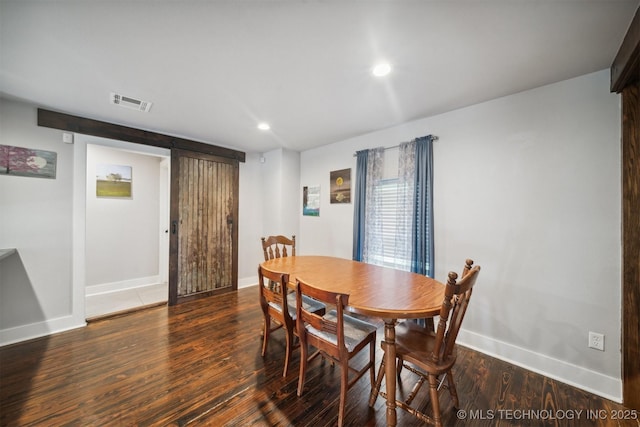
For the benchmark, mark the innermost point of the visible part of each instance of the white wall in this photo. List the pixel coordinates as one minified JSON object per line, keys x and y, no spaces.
{"x":330,"y":233}
{"x":251,"y":217}
{"x":271,"y":183}
{"x":123,"y":234}
{"x":529,"y":187}
{"x":280,"y":175}
{"x":269,"y":205}
{"x":35,"y":218}
{"x":290,"y":219}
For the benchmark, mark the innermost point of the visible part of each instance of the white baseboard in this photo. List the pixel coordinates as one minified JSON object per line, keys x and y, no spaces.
{"x":105,"y":288}
{"x":39,"y":329}
{"x":577,"y":376}
{"x":247,"y":282}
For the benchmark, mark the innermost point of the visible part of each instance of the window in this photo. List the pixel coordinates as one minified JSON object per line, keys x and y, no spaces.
{"x":392,"y":254}
{"x":393,"y":218}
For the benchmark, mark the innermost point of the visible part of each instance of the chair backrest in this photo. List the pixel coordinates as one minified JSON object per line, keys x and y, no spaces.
{"x":273,"y":292}
{"x":454,"y":307}
{"x":320,"y":323}
{"x":276,"y":246}
{"x":468,"y":265}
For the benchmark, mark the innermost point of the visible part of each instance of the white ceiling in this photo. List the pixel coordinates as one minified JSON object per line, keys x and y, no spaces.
{"x":214,"y":69}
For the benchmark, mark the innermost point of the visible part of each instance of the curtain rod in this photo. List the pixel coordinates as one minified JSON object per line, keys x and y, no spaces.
{"x":433,"y":138}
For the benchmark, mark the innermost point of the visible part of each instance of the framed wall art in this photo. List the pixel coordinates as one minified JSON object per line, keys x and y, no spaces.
{"x":340,"y":186}
{"x":20,"y":161}
{"x":311,"y":201}
{"x":113,"y":181}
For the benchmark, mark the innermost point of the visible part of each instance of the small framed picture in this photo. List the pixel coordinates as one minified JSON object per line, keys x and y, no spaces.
{"x":113,"y":181}
{"x":311,"y":201}
{"x":340,"y":186}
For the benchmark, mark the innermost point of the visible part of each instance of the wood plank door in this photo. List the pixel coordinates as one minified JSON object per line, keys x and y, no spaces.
{"x":204,"y":225}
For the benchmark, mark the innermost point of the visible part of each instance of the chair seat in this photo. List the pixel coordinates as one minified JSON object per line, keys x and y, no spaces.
{"x":416,"y":342}
{"x":355,"y":330}
{"x":309,"y":304}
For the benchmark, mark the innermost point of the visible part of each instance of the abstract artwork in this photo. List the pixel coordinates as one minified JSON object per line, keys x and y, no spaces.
{"x":20,"y":161}
{"x":340,"y":186}
{"x":311,"y":201}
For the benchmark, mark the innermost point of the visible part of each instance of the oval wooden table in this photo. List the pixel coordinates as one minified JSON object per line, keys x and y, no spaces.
{"x":374,"y":291}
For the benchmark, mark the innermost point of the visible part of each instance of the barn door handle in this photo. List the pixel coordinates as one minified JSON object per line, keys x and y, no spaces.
{"x":174,"y":227}
{"x":229,"y":220}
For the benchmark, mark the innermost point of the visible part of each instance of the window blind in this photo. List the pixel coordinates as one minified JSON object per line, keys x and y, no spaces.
{"x":386,"y":193}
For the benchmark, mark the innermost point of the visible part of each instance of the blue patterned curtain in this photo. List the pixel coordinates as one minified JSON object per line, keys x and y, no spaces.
{"x":367,"y":222}
{"x":359,"y":204}
{"x":422,"y":257}
{"x":413,"y":247}
{"x":373,"y":248}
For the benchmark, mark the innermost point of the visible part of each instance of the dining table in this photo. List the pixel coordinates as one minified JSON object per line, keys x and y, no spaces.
{"x":374,"y":291}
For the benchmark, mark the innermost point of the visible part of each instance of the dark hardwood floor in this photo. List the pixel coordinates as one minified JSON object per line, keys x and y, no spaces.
{"x":199,"y":363}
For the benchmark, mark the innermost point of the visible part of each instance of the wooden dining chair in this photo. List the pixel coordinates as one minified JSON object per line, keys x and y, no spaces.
{"x":278,"y":308}
{"x":428,"y":323}
{"x":278,"y":246}
{"x":336,"y":336}
{"x":430,"y":354}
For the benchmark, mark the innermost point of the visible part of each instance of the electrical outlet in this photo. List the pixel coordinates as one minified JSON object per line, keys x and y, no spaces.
{"x":596,"y":340}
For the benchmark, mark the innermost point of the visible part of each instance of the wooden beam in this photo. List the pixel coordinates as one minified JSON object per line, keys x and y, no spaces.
{"x":98,"y":128}
{"x":625,"y":79}
{"x":625,"y":69}
{"x":631,"y":246}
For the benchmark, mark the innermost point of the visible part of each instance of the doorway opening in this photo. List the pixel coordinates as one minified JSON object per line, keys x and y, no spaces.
{"x":126,"y":236}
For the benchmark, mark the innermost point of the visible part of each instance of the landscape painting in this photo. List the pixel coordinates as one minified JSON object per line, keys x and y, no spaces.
{"x":113,"y":181}
{"x":20,"y":161}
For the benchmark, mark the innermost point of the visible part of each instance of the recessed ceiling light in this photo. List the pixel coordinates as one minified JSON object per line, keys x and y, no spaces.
{"x":264,"y":126}
{"x":381,"y":69}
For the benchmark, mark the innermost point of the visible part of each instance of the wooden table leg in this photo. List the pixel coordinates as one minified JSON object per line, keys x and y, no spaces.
{"x":390,"y":369}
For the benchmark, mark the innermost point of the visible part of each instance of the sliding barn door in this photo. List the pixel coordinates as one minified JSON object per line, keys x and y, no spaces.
{"x":204,"y":225}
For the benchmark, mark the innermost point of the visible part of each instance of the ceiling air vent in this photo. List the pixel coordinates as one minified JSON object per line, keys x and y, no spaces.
{"x":128,"y":102}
